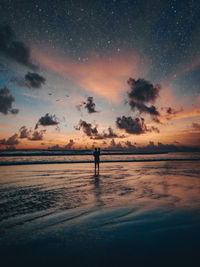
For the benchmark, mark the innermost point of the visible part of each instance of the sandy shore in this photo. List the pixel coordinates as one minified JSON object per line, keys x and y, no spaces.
{"x":133,"y":214}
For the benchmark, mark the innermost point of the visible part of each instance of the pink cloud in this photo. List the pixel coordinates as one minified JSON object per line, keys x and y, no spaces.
{"x":104,"y":76}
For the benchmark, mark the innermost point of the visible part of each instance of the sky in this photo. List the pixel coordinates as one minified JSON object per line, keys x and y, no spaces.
{"x":113,"y":74}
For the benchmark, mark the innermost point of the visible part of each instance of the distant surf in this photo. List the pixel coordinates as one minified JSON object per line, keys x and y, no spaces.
{"x":90,"y":161}
{"x":8,"y":158}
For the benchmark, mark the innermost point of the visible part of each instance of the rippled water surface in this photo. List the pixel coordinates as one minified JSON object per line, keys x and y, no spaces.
{"x":133,"y":214}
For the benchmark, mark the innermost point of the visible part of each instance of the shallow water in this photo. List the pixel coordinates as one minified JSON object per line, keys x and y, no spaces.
{"x":41,"y":157}
{"x":133,"y":214}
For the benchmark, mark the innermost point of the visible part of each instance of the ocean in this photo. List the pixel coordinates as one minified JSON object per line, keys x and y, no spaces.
{"x":142,"y":210}
{"x":24,"y":157}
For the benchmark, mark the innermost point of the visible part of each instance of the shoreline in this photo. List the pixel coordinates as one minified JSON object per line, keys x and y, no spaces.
{"x":88,"y":161}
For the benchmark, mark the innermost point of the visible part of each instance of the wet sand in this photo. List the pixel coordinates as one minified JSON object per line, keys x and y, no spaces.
{"x":133,"y":214}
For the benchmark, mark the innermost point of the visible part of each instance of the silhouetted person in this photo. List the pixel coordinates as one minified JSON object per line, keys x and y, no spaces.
{"x":96,"y":155}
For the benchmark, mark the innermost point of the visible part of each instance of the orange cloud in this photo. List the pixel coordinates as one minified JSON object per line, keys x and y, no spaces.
{"x":168,"y":98}
{"x":104,"y":76}
{"x":193,"y":111}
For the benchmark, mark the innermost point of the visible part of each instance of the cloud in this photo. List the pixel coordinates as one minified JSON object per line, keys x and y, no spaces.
{"x":89,"y":105}
{"x":30,"y":80}
{"x":129,"y":145}
{"x":135,"y":126}
{"x":115,"y":146}
{"x":6,"y":101}
{"x":13,"y":48}
{"x":110,"y":134}
{"x":154,"y":129}
{"x":151,"y":147}
{"x":11,"y":141}
{"x":54,"y":147}
{"x":34,"y":80}
{"x":47,"y":120}
{"x":37,"y":135}
{"x":69,"y":145}
{"x":189,"y":110}
{"x":171,"y":113}
{"x":93,"y":133}
{"x":125,"y":146}
{"x":31,"y":135}
{"x":87,"y":128}
{"x":196,"y":125}
{"x":143,"y":92}
{"x":24,"y":132}
{"x":102,"y":75}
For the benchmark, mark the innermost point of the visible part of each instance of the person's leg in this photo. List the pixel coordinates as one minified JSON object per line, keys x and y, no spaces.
{"x":95,"y":167}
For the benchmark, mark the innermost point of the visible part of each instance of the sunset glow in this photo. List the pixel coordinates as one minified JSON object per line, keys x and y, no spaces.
{"x":56,"y":74}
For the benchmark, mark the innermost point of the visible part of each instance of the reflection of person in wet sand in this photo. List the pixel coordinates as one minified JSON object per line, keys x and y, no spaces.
{"x":96,"y":155}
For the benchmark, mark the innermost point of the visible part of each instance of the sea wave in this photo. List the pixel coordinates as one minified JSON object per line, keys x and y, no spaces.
{"x":63,"y":158}
{"x":42,"y":153}
{"x":90,"y":161}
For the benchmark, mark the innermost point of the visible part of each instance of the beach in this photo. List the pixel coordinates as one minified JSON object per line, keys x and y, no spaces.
{"x":132,"y":214}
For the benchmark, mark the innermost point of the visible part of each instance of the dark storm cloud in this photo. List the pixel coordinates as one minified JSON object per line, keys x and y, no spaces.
{"x":47,"y":120}
{"x":89,"y":105}
{"x":93,"y":133}
{"x":11,"y":141}
{"x":133,"y":125}
{"x":6,"y":101}
{"x":143,"y":92}
{"x":13,"y":48}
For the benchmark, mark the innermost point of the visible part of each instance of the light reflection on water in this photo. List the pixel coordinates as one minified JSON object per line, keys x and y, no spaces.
{"x":29,"y":189}
{"x":62,"y":215}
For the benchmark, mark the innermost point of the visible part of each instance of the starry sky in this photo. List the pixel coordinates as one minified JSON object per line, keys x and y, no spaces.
{"x":115,"y":74}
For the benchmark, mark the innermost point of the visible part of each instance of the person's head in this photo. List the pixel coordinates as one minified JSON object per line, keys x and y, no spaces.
{"x":95,"y":149}
{"x":98,"y":148}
